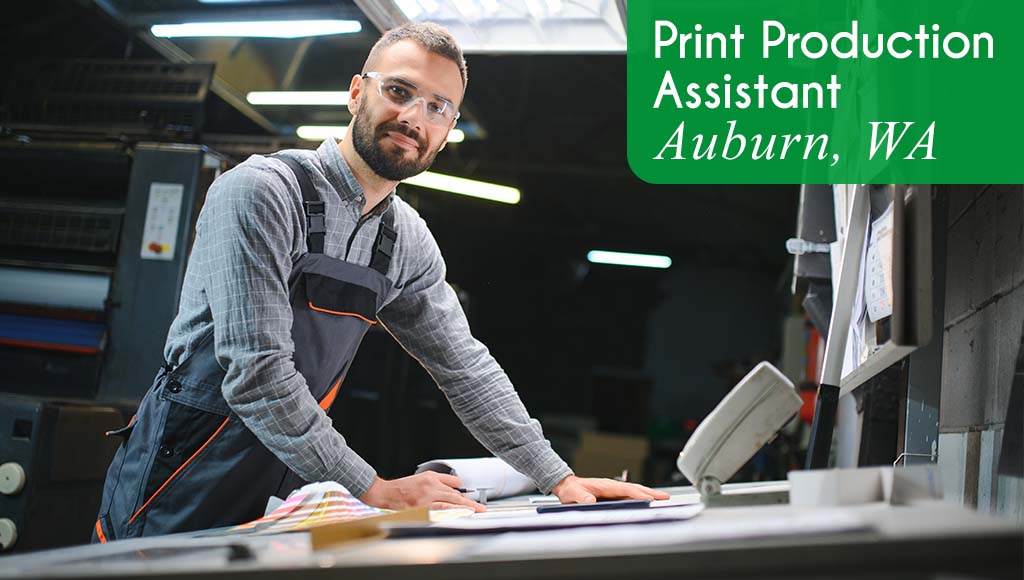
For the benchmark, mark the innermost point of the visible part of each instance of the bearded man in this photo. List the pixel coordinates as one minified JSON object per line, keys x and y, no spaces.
{"x":296,"y":256}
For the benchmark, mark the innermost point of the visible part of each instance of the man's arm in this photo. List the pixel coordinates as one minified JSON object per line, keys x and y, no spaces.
{"x":429,"y":323}
{"x":244,"y":242}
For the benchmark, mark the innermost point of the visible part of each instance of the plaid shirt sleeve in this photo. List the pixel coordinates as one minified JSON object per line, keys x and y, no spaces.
{"x":428,"y":321}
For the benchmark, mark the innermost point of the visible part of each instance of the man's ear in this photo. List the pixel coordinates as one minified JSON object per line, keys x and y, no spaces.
{"x":445,"y":142}
{"x":355,"y":94}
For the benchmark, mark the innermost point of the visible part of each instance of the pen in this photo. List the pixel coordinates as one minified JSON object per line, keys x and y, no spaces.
{"x":481,"y":493}
{"x":601,"y":505}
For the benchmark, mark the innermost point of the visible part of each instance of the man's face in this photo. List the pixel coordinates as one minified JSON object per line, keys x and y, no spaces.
{"x":399,"y":142}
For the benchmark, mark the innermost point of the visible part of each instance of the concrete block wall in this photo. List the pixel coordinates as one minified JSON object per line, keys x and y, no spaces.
{"x":983,"y":324}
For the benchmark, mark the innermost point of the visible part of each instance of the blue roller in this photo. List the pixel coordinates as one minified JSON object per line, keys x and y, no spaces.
{"x":57,"y":333}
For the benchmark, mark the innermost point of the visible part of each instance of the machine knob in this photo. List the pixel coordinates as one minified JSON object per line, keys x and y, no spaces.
{"x":8,"y":534}
{"x":12,"y":478}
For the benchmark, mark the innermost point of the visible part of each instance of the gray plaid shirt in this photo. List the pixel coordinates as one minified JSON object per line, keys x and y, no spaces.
{"x":250,"y":232}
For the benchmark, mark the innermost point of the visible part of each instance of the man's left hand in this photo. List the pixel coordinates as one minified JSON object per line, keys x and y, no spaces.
{"x":574,"y":489}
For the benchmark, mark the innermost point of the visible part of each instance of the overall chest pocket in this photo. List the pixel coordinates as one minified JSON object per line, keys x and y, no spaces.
{"x":334,"y":304}
{"x":330,"y":296}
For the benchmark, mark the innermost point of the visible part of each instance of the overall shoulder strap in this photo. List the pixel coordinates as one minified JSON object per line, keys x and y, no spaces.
{"x":316,"y":221}
{"x":384,"y":245}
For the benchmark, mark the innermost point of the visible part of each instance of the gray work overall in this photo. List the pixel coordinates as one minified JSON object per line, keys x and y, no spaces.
{"x":189,"y":463}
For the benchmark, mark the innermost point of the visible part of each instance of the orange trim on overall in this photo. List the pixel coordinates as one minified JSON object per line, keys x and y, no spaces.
{"x":49,"y":346}
{"x":99,"y":533}
{"x":328,"y":399}
{"x":130,"y":421}
{"x":363,"y":318}
{"x":177,"y":471}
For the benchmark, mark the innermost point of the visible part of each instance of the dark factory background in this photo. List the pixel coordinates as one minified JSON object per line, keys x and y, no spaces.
{"x":639,"y":353}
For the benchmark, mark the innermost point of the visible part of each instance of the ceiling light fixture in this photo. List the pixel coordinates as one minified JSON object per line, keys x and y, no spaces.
{"x":513,"y":26}
{"x":491,"y":7}
{"x":463,"y":186}
{"x":554,"y":6}
{"x":302,"y":98}
{"x":410,"y":8}
{"x":628,"y":259}
{"x":468,"y":9}
{"x":535,"y":8}
{"x":431,"y":6}
{"x":321,"y":132}
{"x":260,"y":28}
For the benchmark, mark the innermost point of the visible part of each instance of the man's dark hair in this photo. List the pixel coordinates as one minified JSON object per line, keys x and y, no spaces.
{"x":430,"y":36}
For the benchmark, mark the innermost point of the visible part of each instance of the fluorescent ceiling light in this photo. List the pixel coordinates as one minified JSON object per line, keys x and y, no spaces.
{"x":410,"y":8}
{"x":468,"y":8}
{"x":261,"y":28}
{"x":463,"y":186}
{"x":490,"y":6}
{"x":628,"y":259}
{"x":512,"y":26}
{"x":535,"y":9}
{"x":339,"y":98}
{"x":321,"y":132}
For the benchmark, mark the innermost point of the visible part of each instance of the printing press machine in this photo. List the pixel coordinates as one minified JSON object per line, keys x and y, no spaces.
{"x":97,"y":217}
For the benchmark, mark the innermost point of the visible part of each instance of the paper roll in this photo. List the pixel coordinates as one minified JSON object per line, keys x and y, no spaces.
{"x":54,"y":288}
{"x":489,"y":473}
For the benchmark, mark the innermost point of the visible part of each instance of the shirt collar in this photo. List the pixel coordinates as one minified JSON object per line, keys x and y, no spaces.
{"x":340,"y":175}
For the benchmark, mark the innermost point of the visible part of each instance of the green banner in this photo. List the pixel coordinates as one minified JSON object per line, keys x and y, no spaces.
{"x":825,"y":91}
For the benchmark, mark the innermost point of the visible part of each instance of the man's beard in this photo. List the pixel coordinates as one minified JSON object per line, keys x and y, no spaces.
{"x":390,"y":165}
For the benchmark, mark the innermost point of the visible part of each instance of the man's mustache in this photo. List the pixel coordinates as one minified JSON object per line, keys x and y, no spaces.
{"x":402,"y":130}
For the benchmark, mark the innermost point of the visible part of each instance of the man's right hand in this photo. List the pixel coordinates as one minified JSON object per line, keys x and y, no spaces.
{"x":436,"y":490}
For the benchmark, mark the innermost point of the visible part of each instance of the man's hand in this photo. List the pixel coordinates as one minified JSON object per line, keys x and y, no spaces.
{"x":436,"y":490}
{"x":574,"y":489}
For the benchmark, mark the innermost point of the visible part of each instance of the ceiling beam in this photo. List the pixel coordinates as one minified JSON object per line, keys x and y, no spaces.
{"x":171,"y":52}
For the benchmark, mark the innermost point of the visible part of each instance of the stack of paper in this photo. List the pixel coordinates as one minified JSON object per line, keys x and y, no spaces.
{"x":520,"y":522}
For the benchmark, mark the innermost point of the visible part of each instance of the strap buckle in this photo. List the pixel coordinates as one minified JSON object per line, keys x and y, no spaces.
{"x":385,"y":242}
{"x":316,"y":221}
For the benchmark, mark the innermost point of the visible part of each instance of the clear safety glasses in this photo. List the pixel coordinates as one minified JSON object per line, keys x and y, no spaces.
{"x":439,"y":111}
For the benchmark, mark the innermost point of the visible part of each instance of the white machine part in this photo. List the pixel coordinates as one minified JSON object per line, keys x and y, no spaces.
{"x":8,"y":533}
{"x":12,"y":478}
{"x":54,"y":288}
{"x":747,"y":418}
